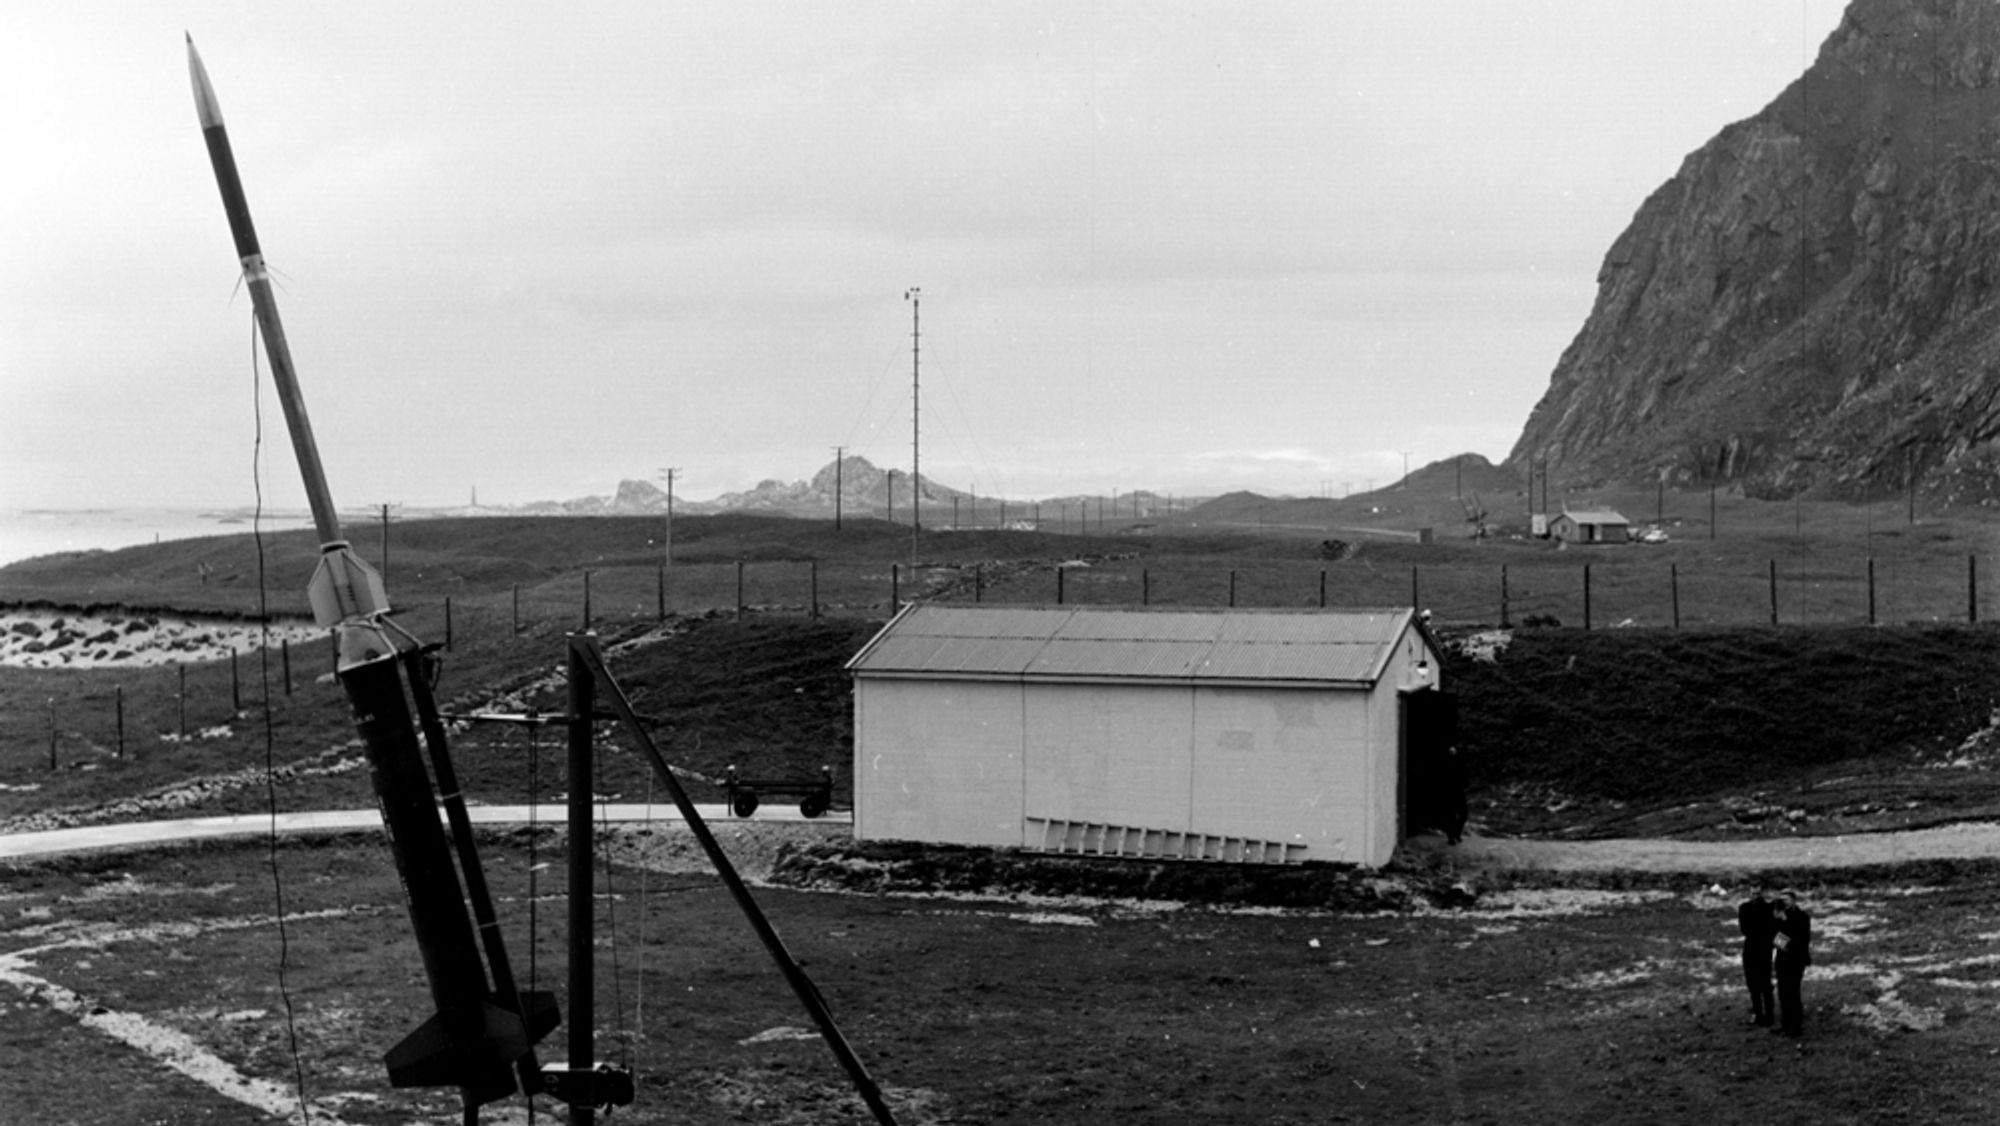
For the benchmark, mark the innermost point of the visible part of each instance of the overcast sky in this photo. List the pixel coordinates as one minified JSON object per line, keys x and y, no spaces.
{"x":537,"y":248}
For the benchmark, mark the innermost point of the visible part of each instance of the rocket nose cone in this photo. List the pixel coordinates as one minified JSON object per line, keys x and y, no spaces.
{"x":205,"y":105}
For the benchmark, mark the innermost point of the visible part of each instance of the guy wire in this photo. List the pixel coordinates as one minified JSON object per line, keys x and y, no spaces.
{"x":270,"y":731}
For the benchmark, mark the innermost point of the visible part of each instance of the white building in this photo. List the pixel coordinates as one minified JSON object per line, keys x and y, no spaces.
{"x":1251,"y":735}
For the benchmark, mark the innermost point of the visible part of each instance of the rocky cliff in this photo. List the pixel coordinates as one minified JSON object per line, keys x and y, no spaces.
{"x":1809,"y":305}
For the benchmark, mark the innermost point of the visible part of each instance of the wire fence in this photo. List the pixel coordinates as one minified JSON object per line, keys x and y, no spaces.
{"x":172,"y":704}
{"x":1586,"y":596}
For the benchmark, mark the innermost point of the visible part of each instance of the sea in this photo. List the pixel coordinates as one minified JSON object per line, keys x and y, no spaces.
{"x":28,"y":532}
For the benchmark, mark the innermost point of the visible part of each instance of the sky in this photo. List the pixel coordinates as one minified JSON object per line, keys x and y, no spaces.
{"x":533,"y":249}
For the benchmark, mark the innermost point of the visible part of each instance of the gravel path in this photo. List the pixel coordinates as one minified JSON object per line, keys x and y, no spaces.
{"x":1963,"y":841}
{"x":756,"y":838}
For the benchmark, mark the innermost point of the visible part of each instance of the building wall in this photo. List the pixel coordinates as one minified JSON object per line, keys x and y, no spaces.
{"x":937,"y":761}
{"x":1288,"y":765}
{"x":1115,"y":753}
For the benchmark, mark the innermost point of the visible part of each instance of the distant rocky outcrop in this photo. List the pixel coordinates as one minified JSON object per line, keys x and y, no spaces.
{"x":1812,"y":303}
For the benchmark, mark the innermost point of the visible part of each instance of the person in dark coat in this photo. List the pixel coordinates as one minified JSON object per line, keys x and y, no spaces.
{"x":1455,"y":811}
{"x":1794,"y":953}
{"x":1760,"y":927}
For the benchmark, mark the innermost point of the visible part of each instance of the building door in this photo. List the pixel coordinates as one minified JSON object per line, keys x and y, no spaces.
{"x":1428,"y":779}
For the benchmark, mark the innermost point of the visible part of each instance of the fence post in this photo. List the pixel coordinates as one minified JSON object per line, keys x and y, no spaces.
{"x":978,"y":582}
{"x":1145,"y":587}
{"x":447,"y":623}
{"x":586,"y":602}
{"x":1674,"y":581}
{"x":1232,"y":574}
{"x":1503,"y":596}
{"x":896,"y":588}
{"x":1586,"y":596}
{"x":1060,"y":572}
{"x":1871,"y":590}
{"x":1322,"y":588}
{"x":1774,"y":592}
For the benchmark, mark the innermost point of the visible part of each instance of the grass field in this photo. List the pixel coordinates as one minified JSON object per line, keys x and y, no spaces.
{"x":1612,"y":1001}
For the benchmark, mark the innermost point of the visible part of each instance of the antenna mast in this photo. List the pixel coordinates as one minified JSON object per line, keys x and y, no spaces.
{"x":915,"y":296}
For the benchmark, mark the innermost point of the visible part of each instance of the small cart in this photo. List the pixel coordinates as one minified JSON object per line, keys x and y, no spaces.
{"x":815,"y":795}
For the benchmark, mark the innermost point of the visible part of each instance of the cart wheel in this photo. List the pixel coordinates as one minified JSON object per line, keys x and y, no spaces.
{"x":813,"y":805}
{"x":745,"y":803}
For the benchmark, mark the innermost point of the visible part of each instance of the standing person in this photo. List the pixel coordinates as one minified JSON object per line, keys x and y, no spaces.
{"x":1794,"y":945}
{"x":1755,"y":918}
{"x":1454,"y":795}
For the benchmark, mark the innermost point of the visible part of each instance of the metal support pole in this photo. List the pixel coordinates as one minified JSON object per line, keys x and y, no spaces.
{"x":1586,"y":596}
{"x":1060,"y":572}
{"x":1416,"y":597}
{"x":447,"y":623}
{"x":586,"y":602}
{"x":582,"y":943}
{"x":795,"y":976}
{"x":896,"y":588}
{"x":1322,"y":588}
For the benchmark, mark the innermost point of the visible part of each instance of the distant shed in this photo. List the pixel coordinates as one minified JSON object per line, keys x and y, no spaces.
{"x":1597,"y":525}
{"x":1247,"y":735}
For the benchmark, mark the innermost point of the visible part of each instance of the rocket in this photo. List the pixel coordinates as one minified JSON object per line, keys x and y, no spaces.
{"x":481,"y":1036}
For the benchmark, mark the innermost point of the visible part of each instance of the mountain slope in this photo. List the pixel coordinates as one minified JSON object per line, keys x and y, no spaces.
{"x":1809,"y":304}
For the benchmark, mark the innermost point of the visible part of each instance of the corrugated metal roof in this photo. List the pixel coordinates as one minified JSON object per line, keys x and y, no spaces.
{"x":1595,"y":516}
{"x":1323,"y":646}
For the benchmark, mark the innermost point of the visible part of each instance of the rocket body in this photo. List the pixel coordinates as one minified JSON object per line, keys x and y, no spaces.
{"x":479,"y":1031}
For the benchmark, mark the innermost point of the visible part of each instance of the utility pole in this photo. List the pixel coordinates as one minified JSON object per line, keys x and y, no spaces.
{"x":670,"y":471}
{"x":889,"y":493}
{"x":1406,"y":470}
{"x":837,"y":452}
{"x":915,"y":297}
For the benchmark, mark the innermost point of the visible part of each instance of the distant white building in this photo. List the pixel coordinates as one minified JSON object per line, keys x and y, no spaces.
{"x":1242,"y":735}
{"x":1591,"y":525}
